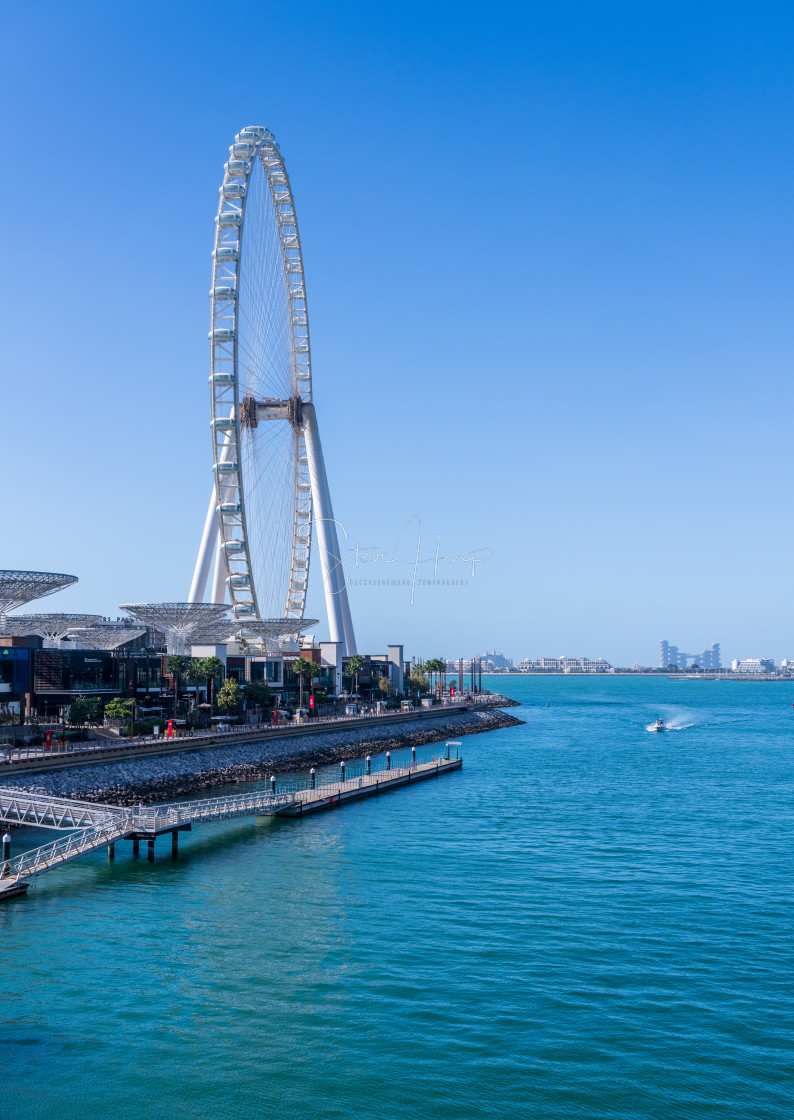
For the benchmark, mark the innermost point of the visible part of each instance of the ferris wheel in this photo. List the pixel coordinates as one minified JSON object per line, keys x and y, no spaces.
{"x":270,"y":486}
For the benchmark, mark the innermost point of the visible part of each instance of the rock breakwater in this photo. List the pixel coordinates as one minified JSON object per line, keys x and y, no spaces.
{"x":161,"y":777}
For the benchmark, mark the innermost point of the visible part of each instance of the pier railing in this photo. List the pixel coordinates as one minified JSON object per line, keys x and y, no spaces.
{"x":36,"y":862}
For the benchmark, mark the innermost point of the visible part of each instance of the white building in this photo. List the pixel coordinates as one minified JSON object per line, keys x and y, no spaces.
{"x":488,"y":662}
{"x":564,"y":665}
{"x":753,"y":665}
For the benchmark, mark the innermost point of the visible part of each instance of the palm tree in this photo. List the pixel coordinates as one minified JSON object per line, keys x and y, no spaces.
{"x":437,"y":667}
{"x":215,"y":668}
{"x":304,"y":668}
{"x":176,"y":666}
{"x":354,"y":666}
{"x":197,"y":673}
{"x":418,"y":678}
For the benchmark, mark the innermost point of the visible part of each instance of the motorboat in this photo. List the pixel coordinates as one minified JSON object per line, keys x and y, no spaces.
{"x":658,"y":726}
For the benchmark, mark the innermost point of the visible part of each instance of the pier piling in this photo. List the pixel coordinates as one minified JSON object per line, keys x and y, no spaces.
{"x":136,"y":845}
{"x":174,"y":844}
{"x":6,"y":854}
{"x":111,"y":852}
{"x":151,"y":849}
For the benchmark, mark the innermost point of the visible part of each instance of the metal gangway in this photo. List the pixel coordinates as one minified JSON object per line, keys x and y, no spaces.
{"x":99,"y":826}
{"x":20,"y":807}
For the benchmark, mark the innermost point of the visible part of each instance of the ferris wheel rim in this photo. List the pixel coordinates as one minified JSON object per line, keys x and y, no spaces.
{"x":252,"y":144}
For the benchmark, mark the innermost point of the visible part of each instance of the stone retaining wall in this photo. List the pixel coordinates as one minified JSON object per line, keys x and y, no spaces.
{"x":163,"y":776}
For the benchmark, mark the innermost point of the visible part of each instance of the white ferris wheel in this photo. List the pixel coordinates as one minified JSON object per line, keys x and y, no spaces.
{"x":270,"y":486}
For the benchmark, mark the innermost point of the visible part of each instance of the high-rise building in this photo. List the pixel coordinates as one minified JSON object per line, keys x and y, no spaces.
{"x":671,"y":655}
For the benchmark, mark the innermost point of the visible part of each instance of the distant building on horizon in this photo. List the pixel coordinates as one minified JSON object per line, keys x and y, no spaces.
{"x":564,"y":665}
{"x":489,"y":661}
{"x":671,"y":655}
{"x":753,"y":665}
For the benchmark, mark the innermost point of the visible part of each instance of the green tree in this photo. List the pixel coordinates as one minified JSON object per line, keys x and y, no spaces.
{"x":119,"y":709}
{"x":82,"y":711}
{"x":302,"y":667}
{"x":437,"y":668}
{"x":78,"y":714}
{"x":176,"y":666}
{"x":229,"y":697}
{"x":259,"y":693}
{"x":355,"y":664}
{"x":197,"y":673}
{"x":215,"y":668}
{"x":386,"y":687}
{"x":94,"y":708}
{"x":418,"y":679}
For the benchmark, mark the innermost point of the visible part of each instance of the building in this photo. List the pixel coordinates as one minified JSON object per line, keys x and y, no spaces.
{"x":753,"y":665}
{"x":672,"y":656}
{"x":489,"y":662}
{"x":564,"y":665}
{"x":46,"y":681}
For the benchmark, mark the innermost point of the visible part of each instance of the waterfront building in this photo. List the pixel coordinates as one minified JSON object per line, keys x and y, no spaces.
{"x":671,"y":655}
{"x":753,"y":665}
{"x":564,"y":665}
{"x":46,"y":681}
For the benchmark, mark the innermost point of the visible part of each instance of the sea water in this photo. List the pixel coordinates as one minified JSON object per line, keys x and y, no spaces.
{"x":589,"y":920}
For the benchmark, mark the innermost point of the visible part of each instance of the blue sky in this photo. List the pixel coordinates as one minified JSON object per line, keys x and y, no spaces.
{"x":549,"y":260}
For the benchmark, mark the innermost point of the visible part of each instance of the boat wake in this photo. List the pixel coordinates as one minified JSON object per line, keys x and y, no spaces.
{"x":673,"y":723}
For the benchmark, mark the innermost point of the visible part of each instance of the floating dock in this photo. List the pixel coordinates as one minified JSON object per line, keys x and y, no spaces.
{"x":103,"y":826}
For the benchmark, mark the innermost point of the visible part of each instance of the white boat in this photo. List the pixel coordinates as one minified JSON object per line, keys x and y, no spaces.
{"x":658,"y":726}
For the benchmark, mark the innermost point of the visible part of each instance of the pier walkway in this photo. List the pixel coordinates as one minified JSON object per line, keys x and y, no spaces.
{"x":102,"y":826}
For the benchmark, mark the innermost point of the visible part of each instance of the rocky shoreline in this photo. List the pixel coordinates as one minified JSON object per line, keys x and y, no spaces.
{"x":161,"y":777}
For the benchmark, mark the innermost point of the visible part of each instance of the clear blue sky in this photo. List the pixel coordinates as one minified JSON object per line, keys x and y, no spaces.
{"x":549,"y":259}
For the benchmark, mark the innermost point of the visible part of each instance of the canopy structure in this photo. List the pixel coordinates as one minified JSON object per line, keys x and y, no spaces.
{"x":51,"y":627}
{"x":19,"y":588}
{"x":253,"y":631}
{"x":179,"y":622}
{"x":109,"y":636}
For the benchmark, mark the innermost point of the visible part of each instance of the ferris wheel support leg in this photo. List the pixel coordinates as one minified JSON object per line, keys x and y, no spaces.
{"x":336,"y":603}
{"x":198,"y":587}
{"x":219,"y":577}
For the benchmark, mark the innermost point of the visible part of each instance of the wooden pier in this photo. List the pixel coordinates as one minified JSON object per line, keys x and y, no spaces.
{"x":109,"y":824}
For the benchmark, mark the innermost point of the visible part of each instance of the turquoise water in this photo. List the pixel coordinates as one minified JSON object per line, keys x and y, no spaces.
{"x":588,"y":920}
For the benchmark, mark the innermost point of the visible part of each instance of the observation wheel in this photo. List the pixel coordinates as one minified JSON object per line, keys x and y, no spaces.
{"x":260,"y":380}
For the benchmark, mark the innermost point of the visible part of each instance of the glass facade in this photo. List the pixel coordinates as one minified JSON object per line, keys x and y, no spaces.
{"x":14,"y":671}
{"x":94,"y":671}
{"x":235,"y":668}
{"x":147,"y":673}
